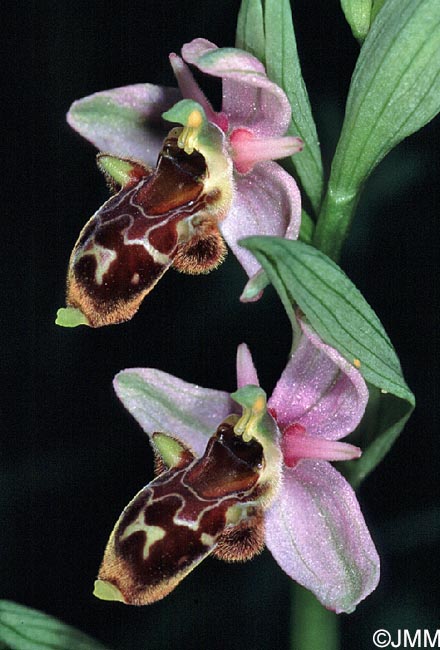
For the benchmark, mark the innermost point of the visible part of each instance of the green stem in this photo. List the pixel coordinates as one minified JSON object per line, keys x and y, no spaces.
{"x":312,"y":626}
{"x":334,"y":221}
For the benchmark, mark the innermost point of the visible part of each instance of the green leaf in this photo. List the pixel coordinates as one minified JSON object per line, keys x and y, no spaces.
{"x":358,"y":15}
{"x":283,"y":67}
{"x":304,"y":276}
{"x":377,"y":6}
{"x":24,"y":628}
{"x":395,"y":90}
{"x":334,"y":306}
{"x":268,"y":34}
{"x":250,"y":29}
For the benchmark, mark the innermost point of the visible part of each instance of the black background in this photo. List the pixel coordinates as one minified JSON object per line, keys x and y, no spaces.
{"x":71,"y":457}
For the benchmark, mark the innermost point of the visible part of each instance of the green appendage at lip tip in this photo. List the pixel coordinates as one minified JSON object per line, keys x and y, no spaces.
{"x":107,"y":591}
{"x":70,"y":317}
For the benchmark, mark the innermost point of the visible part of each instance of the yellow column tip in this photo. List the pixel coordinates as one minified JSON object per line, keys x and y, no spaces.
{"x":194,"y":119}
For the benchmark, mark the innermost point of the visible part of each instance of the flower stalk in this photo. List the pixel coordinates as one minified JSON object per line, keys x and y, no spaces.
{"x":312,"y":625}
{"x":334,"y":222}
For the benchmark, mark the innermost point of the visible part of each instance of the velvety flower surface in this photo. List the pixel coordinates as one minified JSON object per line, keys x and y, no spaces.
{"x":313,"y":527}
{"x":126,"y":122}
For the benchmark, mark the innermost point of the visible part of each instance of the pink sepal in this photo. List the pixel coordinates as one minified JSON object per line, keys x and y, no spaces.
{"x":161,"y":402}
{"x":125,"y":122}
{"x":319,"y":389}
{"x":266,"y":202}
{"x":250,"y":99}
{"x":317,"y":534}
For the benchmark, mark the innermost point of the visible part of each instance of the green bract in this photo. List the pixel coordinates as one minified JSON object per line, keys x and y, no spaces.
{"x":358,"y":15}
{"x":335,"y":308}
{"x":395,"y":90}
{"x":250,"y":28}
{"x":273,"y":26}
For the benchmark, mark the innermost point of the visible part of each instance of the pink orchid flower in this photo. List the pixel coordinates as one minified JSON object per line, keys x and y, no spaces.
{"x":314,"y":527}
{"x":126,"y":123}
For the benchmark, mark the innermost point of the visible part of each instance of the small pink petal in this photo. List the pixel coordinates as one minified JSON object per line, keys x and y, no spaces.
{"x":320,"y":390}
{"x":298,"y":444}
{"x":190,"y":89}
{"x":317,"y":534}
{"x":247,"y":149}
{"x":250,"y":99}
{"x":246,"y":373}
{"x":125,"y":122}
{"x":266,"y":202}
{"x":161,"y":402}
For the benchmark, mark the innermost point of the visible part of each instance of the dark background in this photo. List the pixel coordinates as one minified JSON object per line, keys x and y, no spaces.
{"x":71,"y":457}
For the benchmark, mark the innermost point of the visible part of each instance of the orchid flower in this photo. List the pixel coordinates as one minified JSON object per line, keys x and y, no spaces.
{"x":215,"y":172}
{"x":295,"y":501}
